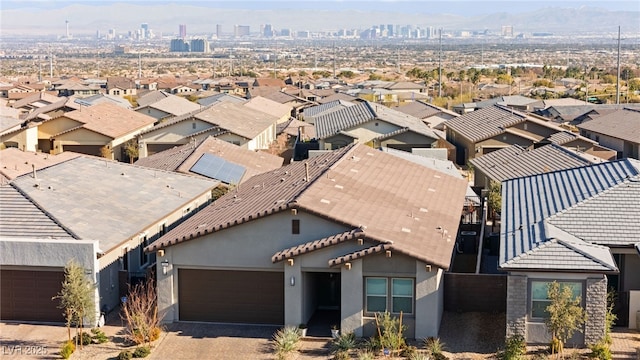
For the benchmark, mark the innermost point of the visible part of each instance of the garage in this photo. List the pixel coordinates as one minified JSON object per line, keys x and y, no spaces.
{"x":249,"y":297}
{"x":26,"y":295}
{"x":84,"y":149}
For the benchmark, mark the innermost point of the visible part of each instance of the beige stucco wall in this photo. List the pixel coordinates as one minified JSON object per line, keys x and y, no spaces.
{"x":27,"y":139}
{"x":56,"y":126}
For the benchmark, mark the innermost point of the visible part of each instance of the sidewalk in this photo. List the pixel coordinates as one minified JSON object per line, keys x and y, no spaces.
{"x":626,"y":343}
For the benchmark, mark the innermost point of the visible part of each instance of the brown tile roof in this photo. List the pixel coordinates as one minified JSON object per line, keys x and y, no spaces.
{"x":337,"y":96}
{"x":16,"y":162}
{"x":269,"y":106}
{"x":412,"y":209}
{"x":42,"y":97}
{"x":622,"y":124}
{"x":376,"y":249}
{"x":318,"y":244}
{"x":110,"y":120}
{"x":269,"y":82}
{"x":237,"y":119}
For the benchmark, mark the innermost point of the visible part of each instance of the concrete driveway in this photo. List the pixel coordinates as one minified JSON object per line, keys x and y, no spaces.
{"x":200,"y":341}
{"x":27,"y":341}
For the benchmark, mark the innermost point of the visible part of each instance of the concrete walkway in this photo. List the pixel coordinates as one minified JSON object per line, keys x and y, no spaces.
{"x":626,"y":344}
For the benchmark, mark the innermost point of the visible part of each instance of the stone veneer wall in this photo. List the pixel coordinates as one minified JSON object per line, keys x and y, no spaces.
{"x":596,"y":308}
{"x":516,"y":305}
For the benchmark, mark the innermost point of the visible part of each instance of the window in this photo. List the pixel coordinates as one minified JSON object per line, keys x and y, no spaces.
{"x":193,"y":125}
{"x":539,"y":299}
{"x":295,"y":226}
{"x":377,"y":295}
{"x":144,"y":257}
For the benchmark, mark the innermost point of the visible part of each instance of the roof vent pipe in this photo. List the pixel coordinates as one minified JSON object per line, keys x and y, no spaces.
{"x":33,"y":167}
{"x":306,"y":170}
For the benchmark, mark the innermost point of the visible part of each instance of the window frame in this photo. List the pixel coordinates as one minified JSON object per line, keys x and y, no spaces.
{"x":389,"y":294}
{"x":531,"y":300}
{"x":295,"y":226}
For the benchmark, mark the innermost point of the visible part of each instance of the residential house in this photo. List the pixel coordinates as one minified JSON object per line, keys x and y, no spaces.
{"x":79,"y":89}
{"x":281,"y":111}
{"x":483,"y":131}
{"x":121,"y":86}
{"x":310,"y":113}
{"x":515,"y":102}
{"x":337,"y":96}
{"x":9,"y":126}
{"x":618,"y":130}
{"x":96,"y":212}
{"x":100,"y":98}
{"x":516,"y":161}
{"x":89,"y":130}
{"x":269,"y":82}
{"x":168,"y":107}
{"x":35,"y":101}
{"x":577,"y":227}
{"x":375,"y":125}
{"x":271,"y":93}
{"x":430,"y":114}
{"x":213,"y":99}
{"x":184,"y":89}
{"x":215,"y":159}
{"x":341,"y":236}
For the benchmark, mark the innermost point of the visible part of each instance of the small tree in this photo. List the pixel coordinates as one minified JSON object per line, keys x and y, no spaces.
{"x":565,"y":314}
{"x":76,"y":299}
{"x":131,"y":149}
{"x":494,"y":198}
{"x":140,"y":312}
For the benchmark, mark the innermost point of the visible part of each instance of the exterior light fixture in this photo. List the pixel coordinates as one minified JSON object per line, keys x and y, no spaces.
{"x":165,"y":265}
{"x":292,"y":281}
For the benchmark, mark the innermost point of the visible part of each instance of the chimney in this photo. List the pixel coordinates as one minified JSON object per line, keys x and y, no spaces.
{"x":33,"y":168}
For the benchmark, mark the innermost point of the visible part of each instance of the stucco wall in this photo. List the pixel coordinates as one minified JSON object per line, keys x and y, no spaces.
{"x":631,"y":272}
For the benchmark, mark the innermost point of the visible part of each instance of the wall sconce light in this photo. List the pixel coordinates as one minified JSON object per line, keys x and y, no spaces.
{"x":290,"y":262}
{"x":360,"y":241}
{"x":161,"y":253}
{"x":388,"y":253}
{"x":292,"y":281}
{"x":348,"y":265}
{"x":165,"y":265}
{"x":428,"y":268}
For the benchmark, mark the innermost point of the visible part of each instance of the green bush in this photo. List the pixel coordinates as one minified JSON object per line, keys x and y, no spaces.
{"x":372,"y":345}
{"x":418,"y":356}
{"x":434,"y":346}
{"x":514,"y":348}
{"x":600,"y":350}
{"x":67,"y":349}
{"x":82,"y":338}
{"x":98,"y":336}
{"x":141,"y":352}
{"x":125,"y":355}
{"x":286,"y":340}
{"x":392,"y":331}
{"x":344,"y":342}
{"x":366,"y":355}
{"x":409,"y":352}
{"x":341,"y":355}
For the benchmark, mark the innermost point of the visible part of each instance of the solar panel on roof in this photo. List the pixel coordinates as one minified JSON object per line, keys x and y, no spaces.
{"x":215,"y":167}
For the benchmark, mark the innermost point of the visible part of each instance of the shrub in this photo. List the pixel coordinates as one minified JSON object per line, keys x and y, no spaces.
{"x":341,"y":355}
{"x":98,"y":336}
{"x":418,"y":356}
{"x":391,"y":331}
{"x":67,"y":349}
{"x":155,"y":333}
{"x":82,"y":338}
{"x":125,"y":355}
{"x":372,"y":345}
{"x":344,"y":342}
{"x":285,"y":341}
{"x":514,"y":348}
{"x":409,"y":352}
{"x":600,"y":350}
{"x":434,"y":346}
{"x":366,"y":355}
{"x":141,"y":352}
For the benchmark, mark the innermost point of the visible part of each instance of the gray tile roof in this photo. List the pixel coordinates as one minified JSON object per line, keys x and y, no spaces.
{"x":109,"y":201}
{"x":610,"y":218}
{"x":326,"y":108}
{"x":622,"y":124}
{"x":237,"y":119}
{"x":528,"y":202}
{"x":419,"y":109}
{"x":516,"y":161}
{"x":485,"y":123}
{"x":352,"y":116}
{"x":21,"y":218}
{"x":214,"y":99}
{"x":409,"y":208}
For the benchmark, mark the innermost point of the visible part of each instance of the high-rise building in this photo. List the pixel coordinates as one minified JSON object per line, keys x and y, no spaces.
{"x":182,"y":31}
{"x":144,"y":33}
{"x":240,"y":30}
{"x":507,"y":30}
{"x":218,"y":31}
{"x":390,"y":32}
{"x":268,"y":31}
{"x":111,"y":35}
{"x":199,"y":45}
{"x":178,"y":45}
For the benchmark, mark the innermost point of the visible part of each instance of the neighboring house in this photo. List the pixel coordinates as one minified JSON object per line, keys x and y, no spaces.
{"x":121,"y":86}
{"x":35,"y":101}
{"x":151,"y":97}
{"x":89,"y":129}
{"x":271,"y":93}
{"x":8,"y":127}
{"x":184,"y":89}
{"x":430,"y":114}
{"x":168,"y":107}
{"x":337,"y":96}
{"x":618,"y":130}
{"x":373,"y":124}
{"x":214,"y":99}
{"x":77,"y":89}
{"x":269,"y":82}
{"x":575,"y":226}
{"x":281,"y":111}
{"x":97,"y":212}
{"x":17,"y":162}
{"x":309,"y":114}
{"x":101,"y":98}
{"x":495,"y":127}
{"x":228,"y":163}
{"x":516,"y":102}
{"x":356,"y":230}
{"x":516,"y":161}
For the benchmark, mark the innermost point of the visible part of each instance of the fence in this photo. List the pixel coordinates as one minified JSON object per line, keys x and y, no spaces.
{"x":475,"y":292}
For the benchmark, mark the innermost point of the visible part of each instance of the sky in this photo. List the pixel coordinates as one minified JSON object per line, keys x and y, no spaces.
{"x":457,"y":7}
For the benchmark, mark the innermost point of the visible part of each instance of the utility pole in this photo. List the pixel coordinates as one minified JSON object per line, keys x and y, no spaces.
{"x":275,"y":61}
{"x":618,"y":77}
{"x":139,"y":66}
{"x":334,"y":59}
{"x":440,"y":67}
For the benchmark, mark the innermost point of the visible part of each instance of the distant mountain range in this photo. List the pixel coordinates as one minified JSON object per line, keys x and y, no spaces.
{"x":165,"y":18}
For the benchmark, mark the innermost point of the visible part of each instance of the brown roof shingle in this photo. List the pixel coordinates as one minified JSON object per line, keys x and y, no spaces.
{"x":110,"y":119}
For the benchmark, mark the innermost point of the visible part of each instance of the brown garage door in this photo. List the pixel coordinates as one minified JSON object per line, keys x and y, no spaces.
{"x":26,"y":295}
{"x":251,"y":297}
{"x":84,"y":149}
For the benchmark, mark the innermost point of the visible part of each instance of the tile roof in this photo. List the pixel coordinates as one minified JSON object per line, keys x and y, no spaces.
{"x":352,"y":116}
{"x":376,"y":249}
{"x":110,"y":120}
{"x":174,"y":105}
{"x":485,"y":123}
{"x":100,"y":98}
{"x":151,"y":97}
{"x":21,"y":218}
{"x":337,"y":96}
{"x":609,"y":218}
{"x":622,"y":124}
{"x":419,"y":109}
{"x":269,"y":106}
{"x":213,"y":99}
{"x":65,"y":104}
{"x":291,"y":128}
{"x":529,"y":202}
{"x":16,"y":162}
{"x":412,"y":209}
{"x":317,"y":244}
{"x":326,"y":108}
{"x":516,"y":161}
{"x":237,"y":119}
{"x":40,"y":96}
{"x":109,"y":201}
